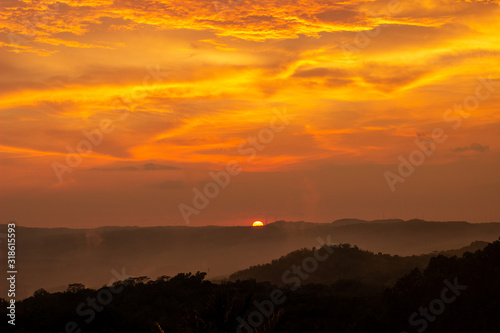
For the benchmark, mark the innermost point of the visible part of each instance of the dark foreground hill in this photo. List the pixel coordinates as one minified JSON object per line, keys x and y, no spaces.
{"x":53,"y":258}
{"x":449,"y":295}
{"x":343,"y":262}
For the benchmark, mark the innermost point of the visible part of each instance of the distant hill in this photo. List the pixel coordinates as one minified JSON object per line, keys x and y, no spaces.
{"x":473,"y":247}
{"x":347,"y":263}
{"x":53,"y":258}
{"x":342,"y":222}
{"x":357,"y":221}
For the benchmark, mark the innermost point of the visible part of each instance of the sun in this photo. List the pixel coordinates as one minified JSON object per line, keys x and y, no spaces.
{"x":258,"y":224}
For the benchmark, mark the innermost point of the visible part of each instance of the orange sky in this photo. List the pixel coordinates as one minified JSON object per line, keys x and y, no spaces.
{"x":175,"y":87}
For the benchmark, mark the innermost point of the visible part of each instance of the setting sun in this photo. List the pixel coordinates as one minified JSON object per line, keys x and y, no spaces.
{"x":258,"y":224}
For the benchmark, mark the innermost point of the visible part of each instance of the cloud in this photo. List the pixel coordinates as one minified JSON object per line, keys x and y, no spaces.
{"x":476,"y":147}
{"x":339,"y":15}
{"x":147,"y":167}
{"x":320,"y":72}
{"x":127,"y":168}
{"x":275,"y":19}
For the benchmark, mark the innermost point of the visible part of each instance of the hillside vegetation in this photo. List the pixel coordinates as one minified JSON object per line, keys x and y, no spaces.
{"x":345,"y":262}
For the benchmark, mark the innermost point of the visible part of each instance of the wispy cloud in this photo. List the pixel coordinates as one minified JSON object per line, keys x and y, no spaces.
{"x":476,"y":147}
{"x":147,"y":167}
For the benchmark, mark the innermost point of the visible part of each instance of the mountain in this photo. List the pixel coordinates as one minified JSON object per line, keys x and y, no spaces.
{"x":51,"y":258}
{"x":358,"y":221}
{"x":345,"y":262}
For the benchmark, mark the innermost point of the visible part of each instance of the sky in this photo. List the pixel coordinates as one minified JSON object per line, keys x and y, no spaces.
{"x":224,"y":112}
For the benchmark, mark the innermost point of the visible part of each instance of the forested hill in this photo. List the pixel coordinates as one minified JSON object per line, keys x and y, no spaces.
{"x":343,"y":262}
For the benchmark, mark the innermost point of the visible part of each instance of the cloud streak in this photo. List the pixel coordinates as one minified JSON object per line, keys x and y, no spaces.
{"x":475,"y":147}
